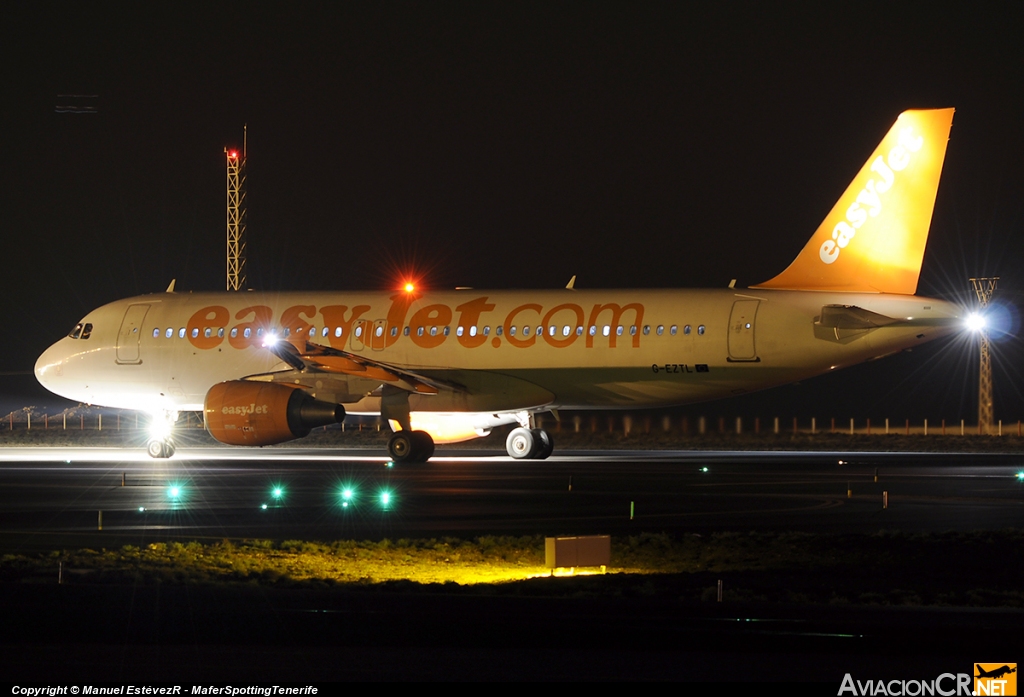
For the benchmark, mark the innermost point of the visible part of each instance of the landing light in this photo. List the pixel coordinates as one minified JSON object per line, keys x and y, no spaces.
{"x":270,"y":340}
{"x":174,"y":491}
{"x":975,"y":322}
{"x":703,"y":469}
{"x":1020,"y":476}
{"x":277,"y":493}
{"x":385,"y":499}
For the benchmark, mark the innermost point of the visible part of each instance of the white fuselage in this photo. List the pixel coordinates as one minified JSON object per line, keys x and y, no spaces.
{"x":502,"y":351}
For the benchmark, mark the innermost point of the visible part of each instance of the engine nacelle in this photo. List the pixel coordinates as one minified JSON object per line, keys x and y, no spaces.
{"x":240,"y":412}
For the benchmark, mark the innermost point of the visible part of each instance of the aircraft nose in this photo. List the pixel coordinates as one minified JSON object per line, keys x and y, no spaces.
{"x":50,"y":365}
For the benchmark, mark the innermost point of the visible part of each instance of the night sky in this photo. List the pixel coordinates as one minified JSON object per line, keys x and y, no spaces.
{"x":501,"y":146}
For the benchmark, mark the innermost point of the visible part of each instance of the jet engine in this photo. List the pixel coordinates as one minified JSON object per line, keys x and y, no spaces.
{"x":240,"y":412}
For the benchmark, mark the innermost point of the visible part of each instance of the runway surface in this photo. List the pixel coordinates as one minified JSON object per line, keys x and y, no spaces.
{"x":53,"y":496}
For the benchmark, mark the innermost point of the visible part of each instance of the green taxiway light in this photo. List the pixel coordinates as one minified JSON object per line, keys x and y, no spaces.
{"x":174,"y":491}
{"x":263,"y":506}
{"x":278,"y":492}
{"x":385,"y":499}
{"x":1020,"y":476}
{"x":703,"y":469}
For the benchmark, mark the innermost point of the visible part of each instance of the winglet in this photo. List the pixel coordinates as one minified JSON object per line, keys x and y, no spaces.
{"x":571,"y":285}
{"x":873,"y":239}
{"x":170,"y":288}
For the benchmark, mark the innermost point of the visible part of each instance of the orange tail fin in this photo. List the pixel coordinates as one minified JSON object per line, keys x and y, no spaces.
{"x":873,"y":239}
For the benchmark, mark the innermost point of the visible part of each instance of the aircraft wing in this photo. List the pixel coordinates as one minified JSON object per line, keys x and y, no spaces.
{"x":307,"y":357}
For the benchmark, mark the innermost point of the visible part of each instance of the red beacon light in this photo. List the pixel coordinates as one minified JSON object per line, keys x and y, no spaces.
{"x":409,"y":287}
{"x":233,"y":154}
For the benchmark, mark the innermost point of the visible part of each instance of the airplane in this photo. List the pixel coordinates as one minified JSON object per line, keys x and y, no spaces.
{"x":449,"y":366}
{"x":995,"y":672}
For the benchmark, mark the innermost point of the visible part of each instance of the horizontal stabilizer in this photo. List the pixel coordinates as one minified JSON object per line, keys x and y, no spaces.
{"x":852,"y":317}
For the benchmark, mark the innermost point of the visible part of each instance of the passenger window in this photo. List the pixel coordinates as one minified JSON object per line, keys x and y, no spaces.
{"x":181,"y":333}
{"x":606,"y":331}
{"x":593,"y":330}
{"x":447,"y":331}
{"x":287,"y":331}
{"x":472,"y":330}
{"x":169,"y":333}
{"x":526,"y":330}
{"x":259,"y":332}
{"x":247,"y":332}
{"x":379,"y":332}
{"x":433,"y":331}
{"x":661,"y":329}
{"x":673,"y":329}
{"x":406,"y":331}
{"x":337,"y":331}
{"x":419,"y":331}
{"x":551,"y":330}
{"x":632,"y":330}
{"x":156,"y":332}
{"x":579,"y":331}
{"x":394,"y":331}
{"x":234,"y":332}
{"x":700,"y":330}
{"x":458,"y":332}
{"x":195,"y":332}
{"x":647,"y":329}
{"x":220,"y":333}
{"x":618,"y":330}
{"x":498,"y":330}
{"x":540,"y":331}
{"x":511,"y":331}
{"x":323,"y":332}
{"x":686,"y":330}
{"x":487,"y":331}
{"x":206,"y":332}
{"x":359,"y":332}
{"x":566,"y":330}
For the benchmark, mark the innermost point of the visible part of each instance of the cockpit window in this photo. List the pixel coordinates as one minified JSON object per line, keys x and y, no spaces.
{"x":87,"y":330}
{"x":76,"y":333}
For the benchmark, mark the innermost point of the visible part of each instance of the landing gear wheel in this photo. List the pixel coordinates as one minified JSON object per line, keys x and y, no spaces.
{"x":401,"y":446}
{"x":520,"y":443}
{"x":545,"y":444}
{"x":424,"y":445}
{"x":160,"y":448}
{"x":410,"y":446}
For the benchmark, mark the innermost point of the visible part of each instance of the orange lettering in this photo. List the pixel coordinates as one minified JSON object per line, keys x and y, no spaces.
{"x":470,"y":317}
{"x":560,"y":340}
{"x":334,"y":317}
{"x":616,"y":311}
{"x":515,"y":340}
{"x":212,"y":318}
{"x":438,"y":316}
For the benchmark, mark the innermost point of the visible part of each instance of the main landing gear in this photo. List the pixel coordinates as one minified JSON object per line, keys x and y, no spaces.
{"x":529,"y":444}
{"x":410,"y":446}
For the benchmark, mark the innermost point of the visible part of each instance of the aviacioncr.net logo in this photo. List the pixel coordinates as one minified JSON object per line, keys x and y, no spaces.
{"x":945,"y":685}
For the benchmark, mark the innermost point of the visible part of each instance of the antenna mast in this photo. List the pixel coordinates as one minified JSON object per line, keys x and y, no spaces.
{"x":236,"y":215}
{"x":984,"y":288}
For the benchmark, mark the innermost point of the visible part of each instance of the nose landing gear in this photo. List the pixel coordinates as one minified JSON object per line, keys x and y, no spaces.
{"x":160,"y":448}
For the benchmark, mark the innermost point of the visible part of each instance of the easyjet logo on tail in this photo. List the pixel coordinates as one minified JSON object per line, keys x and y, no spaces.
{"x":868,"y":203}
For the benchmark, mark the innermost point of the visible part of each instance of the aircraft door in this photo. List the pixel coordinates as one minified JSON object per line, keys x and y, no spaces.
{"x":380,"y":334}
{"x":360,"y":334}
{"x":130,"y":334}
{"x":741,"y":330}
